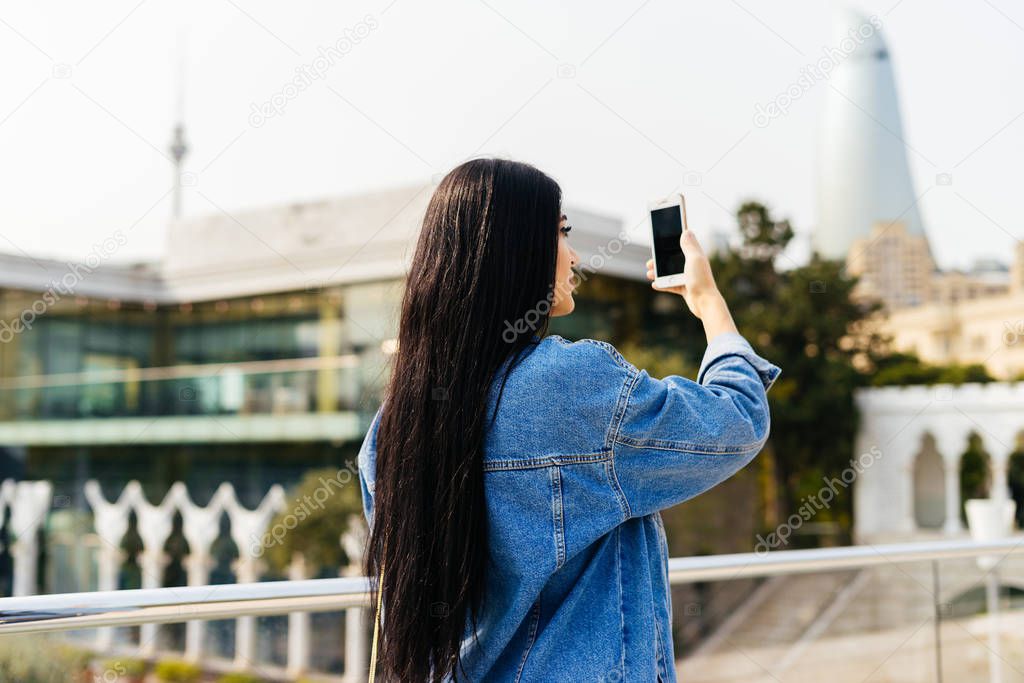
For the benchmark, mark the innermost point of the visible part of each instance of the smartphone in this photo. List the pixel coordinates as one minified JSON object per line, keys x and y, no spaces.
{"x":668,"y":220}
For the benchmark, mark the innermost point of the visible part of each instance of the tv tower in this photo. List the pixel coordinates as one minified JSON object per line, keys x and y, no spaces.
{"x":179,"y":147}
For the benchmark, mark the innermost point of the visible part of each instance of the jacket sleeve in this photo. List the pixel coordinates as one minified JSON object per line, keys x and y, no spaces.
{"x":677,"y":438}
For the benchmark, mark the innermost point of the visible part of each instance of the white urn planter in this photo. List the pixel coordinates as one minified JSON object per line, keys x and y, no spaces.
{"x":990,"y":519}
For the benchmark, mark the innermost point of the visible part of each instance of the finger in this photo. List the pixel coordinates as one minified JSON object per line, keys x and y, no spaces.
{"x":650,"y":262}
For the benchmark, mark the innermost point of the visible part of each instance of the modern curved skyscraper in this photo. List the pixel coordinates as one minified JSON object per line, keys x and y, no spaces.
{"x":863,"y":173}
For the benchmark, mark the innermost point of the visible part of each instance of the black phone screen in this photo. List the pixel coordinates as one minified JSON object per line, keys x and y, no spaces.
{"x":667,"y":225}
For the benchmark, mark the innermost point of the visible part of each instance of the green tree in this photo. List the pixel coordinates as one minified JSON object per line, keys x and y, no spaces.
{"x":806,"y":321}
{"x":316,"y":515}
{"x":657,"y":362}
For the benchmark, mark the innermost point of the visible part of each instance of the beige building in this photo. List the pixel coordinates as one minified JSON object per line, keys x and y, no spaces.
{"x":894,"y":265}
{"x":1017,"y":270}
{"x":969,"y":318}
{"x":943,"y":317}
{"x":982,"y":282}
{"x":988,"y":331}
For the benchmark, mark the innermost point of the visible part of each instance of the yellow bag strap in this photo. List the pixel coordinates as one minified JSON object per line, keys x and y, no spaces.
{"x":376,"y":623}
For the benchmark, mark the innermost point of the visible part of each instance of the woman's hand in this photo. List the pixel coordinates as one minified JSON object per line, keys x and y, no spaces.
{"x":698,"y":289}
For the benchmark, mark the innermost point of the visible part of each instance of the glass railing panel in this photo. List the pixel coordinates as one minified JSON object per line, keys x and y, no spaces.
{"x":902,"y":613}
{"x":303,"y":646}
{"x":904,"y":622}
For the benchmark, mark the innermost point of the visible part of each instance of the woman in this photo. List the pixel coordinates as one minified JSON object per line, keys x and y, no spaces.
{"x":515,"y":477}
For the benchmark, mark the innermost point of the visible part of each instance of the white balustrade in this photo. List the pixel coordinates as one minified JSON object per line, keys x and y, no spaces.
{"x":27,"y":504}
{"x":900,"y":423}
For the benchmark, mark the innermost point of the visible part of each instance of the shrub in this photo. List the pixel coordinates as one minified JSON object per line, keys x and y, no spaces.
{"x":63,"y":663}
{"x":240,"y":677}
{"x":174,"y":671}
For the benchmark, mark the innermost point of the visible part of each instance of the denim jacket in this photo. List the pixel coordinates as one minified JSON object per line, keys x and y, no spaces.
{"x":584,"y":452}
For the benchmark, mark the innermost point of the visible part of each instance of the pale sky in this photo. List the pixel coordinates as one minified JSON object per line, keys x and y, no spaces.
{"x":649,"y":95}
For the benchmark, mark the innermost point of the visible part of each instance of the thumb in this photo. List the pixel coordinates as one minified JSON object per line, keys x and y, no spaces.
{"x":689,"y":244}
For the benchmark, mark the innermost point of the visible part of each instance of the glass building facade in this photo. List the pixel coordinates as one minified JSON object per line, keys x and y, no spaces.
{"x":253,"y":390}
{"x":88,"y":388}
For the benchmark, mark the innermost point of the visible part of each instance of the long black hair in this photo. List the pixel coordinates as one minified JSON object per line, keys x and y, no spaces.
{"x":479,"y":288}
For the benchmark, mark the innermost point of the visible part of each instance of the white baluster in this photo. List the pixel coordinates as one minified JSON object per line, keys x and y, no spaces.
{"x":111,"y":523}
{"x":6,"y":501}
{"x":200,"y":526}
{"x":247,"y":527}
{"x":298,"y":624}
{"x":29,"y":507}
{"x":6,"y":498}
{"x":155,"y":523}
{"x":353,"y":542}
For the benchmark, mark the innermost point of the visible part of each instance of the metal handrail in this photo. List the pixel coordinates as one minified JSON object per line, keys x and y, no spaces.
{"x":70,"y":611}
{"x":748,"y":565}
